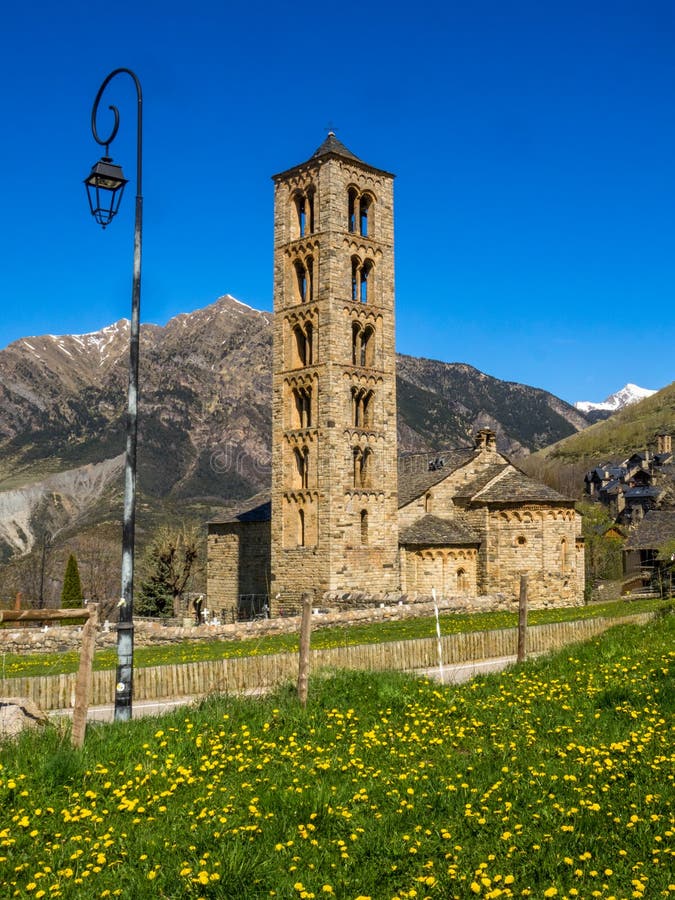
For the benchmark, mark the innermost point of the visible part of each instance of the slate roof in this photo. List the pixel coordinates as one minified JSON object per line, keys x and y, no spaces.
{"x":257,"y":512}
{"x":516,"y":487}
{"x":333,"y":145}
{"x":657,"y":527}
{"x":468,"y":490}
{"x":643,"y":491}
{"x":415,"y":476}
{"x":432,"y":530}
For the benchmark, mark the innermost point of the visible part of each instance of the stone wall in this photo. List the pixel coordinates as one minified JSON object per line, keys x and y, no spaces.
{"x":238,"y":563}
{"x":333,"y":610}
{"x":538,"y":541}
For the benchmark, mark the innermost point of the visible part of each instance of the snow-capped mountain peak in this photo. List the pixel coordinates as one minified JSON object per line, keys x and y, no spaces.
{"x":628,"y":394}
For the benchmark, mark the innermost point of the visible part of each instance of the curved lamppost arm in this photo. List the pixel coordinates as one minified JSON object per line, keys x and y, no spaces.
{"x":125,"y":628}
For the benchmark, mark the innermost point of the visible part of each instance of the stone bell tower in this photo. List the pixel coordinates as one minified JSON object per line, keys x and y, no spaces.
{"x":334,"y":449}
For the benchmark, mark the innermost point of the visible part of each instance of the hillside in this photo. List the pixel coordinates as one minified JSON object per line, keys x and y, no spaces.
{"x":204,"y":423}
{"x":632,"y":428}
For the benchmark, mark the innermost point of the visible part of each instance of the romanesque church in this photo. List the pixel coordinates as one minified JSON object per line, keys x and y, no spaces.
{"x":346,"y":513}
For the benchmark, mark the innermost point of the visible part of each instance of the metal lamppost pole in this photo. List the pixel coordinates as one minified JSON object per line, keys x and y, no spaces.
{"x":105,"y":185}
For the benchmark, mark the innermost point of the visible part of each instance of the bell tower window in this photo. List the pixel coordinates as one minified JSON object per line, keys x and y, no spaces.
{"x":364,"y":526}
{"x":364,"y":210}
{"x":352,"y":200}
{"x":303,"y":345}
{"x":362,"y":467}
{"x":303,"y":407}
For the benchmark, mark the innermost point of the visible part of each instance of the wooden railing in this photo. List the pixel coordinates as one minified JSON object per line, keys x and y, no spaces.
{"x":256,"y":673}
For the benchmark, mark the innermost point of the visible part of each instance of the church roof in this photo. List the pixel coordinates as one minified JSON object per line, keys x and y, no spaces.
{"x":432,"y":530}
{"x":516,"y":487}
{"x":473,"y":487}
{"x":417,"y":472}
{"x":333,"y":145}
{"x":254,"y":511}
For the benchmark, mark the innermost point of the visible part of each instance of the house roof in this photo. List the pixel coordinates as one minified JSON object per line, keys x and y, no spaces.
{"x":516,"y":487}
{"x":643,"y":490}
{"x":432,"y":530}
{"x":417,"y":472}
{"x":657,"y":527}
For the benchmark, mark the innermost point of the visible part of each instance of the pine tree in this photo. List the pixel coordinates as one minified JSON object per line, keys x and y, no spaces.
{"x":71,"y":595}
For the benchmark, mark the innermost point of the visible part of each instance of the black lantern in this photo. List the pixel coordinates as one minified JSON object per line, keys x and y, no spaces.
{"x":105,"y":186}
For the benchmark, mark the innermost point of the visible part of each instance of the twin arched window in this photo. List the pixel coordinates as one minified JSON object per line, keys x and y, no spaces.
{"x":303,"y":340}
{"x":363,"y":344}
{"x":362,"y":408}
{"x":304,"y":278}
{"x":303,"y":407}
{"x":301,"y":457}
{"x":359,"y":212}
{"x":361,"y":279}
{"x":303,"y":202}
{"x":363,"y":460}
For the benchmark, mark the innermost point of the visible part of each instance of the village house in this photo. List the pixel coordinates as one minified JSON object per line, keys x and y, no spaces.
{"x":345,"y":514}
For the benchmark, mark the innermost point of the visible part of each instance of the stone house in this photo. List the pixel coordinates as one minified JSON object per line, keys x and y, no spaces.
{"x":345,"y":514}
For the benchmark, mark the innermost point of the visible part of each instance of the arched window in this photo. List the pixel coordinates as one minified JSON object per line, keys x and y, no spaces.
{"x":301,"y":346}
{"x":303,"y":221}
{"x":364,"y":210}
{"x":355,"y":278}
{"x":362,"y":467}
{"x":301,"y":281}
{"x":362,"y":407}
{"x":563,"y":555}
{"x":301,"y":208}
{"x":367,"y":346}
{"x":301,"y":528}
{"x":303,"y":407}
{"x":301,"y":458}
{"x":356,"y":344}
{"x":462,"y":581}
{"x":309,"y":268}
{"x":364,"y":526}
{"x":428,"y":503}
{"x":352,"y":199}
{"x":366,"y":271}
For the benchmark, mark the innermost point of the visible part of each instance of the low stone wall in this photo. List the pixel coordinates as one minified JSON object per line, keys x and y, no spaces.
{"x":343,"y":610}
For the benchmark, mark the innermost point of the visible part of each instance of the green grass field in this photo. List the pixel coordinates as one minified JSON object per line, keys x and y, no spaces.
{"x":550,"y":779}
{"x":14,"y":665}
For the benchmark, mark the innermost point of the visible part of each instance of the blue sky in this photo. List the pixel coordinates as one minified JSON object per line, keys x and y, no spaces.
{"x":533,"y":143}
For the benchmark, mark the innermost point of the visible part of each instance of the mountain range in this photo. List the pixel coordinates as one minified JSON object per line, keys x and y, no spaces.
{"x":629,"y":394}
{"x":204,"y":420}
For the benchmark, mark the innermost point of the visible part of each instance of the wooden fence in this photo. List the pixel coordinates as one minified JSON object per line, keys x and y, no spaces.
{"x":253,"y":673}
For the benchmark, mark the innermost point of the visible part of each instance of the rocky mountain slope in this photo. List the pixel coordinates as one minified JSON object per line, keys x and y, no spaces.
{"x":204,"y":424}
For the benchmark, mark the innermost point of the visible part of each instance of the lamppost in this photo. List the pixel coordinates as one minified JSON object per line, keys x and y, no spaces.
{"x":105,"y":186}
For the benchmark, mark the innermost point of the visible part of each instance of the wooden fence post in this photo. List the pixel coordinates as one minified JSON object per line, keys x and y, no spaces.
{"x":84,"y":676}
{"x":522,"y":619}
{"x":303,"y":662}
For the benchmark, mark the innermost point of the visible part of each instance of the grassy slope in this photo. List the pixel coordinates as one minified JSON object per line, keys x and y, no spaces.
{"x":631,"y":429}
{"x":552,"y":779}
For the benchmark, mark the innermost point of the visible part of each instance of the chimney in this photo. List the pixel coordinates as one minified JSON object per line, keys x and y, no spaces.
{"x":664,"y":443}
{"x":486,"y":440}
